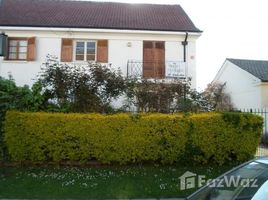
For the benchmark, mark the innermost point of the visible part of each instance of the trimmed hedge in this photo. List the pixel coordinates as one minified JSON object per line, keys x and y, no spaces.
{"x":124,"y":138}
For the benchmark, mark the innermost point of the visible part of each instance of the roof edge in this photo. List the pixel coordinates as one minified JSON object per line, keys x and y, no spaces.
{"x":93,"y":27}
{"x":230,"y":59}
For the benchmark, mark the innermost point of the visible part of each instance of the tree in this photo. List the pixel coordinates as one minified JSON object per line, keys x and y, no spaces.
{"x":77,"y":88}
{"x":217,"y":98}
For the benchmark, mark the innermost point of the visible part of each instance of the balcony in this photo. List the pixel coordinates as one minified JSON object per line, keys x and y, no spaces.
{"x":157,"y":70}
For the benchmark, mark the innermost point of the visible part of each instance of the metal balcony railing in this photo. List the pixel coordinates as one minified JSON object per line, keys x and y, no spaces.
{"x":157,"y":69}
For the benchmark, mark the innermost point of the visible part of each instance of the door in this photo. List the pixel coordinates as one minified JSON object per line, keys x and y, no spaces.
{"x":153,"y":59}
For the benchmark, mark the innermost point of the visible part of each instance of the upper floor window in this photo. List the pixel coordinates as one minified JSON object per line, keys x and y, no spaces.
{"x":85,"y":51}
{"x":17,"y":49}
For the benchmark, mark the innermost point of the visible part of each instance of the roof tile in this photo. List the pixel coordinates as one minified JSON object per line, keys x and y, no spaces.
{"x":89,"y":14}
{"x":258,"y":68}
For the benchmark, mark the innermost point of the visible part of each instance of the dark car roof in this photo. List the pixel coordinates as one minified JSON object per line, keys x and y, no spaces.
{"x":258,"y":68}
{"x":90,"y":14}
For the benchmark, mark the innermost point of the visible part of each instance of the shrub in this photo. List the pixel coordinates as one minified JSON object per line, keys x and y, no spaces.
{"x":114,"y":138}
{"x":81,"y":88}
{"x":15,"y":97}
{"x":164,"y":97}
{"x":221,"y":138}
{"x":123,"y":138}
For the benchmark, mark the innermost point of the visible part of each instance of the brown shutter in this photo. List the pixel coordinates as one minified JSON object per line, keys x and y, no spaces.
{"x":66,"y":50}
{"x":102,"y":51}
{"x":153,"y":59}
{"x":159,"y":56}
{"x":31,"y":49}
{"x":148,"y":59}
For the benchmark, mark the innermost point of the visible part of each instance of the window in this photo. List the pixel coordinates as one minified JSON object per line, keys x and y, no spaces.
{"x":85,"y":51}
{"x":17,"y":49}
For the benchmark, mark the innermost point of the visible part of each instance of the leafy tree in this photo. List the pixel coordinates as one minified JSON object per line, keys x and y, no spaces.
{"x":81,"y":88}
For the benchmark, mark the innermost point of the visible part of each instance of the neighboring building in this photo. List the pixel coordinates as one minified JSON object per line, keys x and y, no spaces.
{"x":246,"y":82}
{"x":152,"y":41}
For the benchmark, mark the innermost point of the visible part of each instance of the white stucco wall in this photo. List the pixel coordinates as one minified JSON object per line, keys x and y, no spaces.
{"x":49,"y":42}
{"x":119,"y":53}
{"x":191,"y":62}
{"x":26,"y":72}
{"x":174,"y":51}
{"x":245,"y":89}
{"x":264,"y":95}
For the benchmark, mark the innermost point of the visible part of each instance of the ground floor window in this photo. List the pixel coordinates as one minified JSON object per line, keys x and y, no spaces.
{"x":17,"y":49}
{"x":85,"y":51}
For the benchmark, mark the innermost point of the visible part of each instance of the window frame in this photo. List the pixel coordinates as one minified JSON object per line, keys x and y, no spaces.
{"x":17,"y":39}
{"x":85,"y":50}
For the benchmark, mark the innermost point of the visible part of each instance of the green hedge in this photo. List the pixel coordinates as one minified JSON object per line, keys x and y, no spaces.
{"x":124,"y":138}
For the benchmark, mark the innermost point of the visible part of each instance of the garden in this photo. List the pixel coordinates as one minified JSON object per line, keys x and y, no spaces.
{"x":63,"y":138}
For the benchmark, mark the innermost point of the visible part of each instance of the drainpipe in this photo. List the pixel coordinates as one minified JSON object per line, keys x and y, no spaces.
{"x":185,"y":43}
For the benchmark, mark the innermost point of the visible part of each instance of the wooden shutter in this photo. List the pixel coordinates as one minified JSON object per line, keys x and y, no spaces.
{"x":102,"y":51}
{"x":31,"y":49}
{"x":159,"y":57}
{"x":153,"y":59}
{"x":148,"y":57}
{"x":66,"y":50}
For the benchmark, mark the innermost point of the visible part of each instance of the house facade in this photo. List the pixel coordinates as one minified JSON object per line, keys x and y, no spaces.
{"x":246,"y":82}
{"x":150,"y":41}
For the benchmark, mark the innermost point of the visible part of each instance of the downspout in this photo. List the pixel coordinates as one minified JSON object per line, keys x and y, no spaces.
{"x":185,"y":43}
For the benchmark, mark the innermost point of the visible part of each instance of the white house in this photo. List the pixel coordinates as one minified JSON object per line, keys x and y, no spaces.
{"x":246,"y":82}
{"x":152,"y":41}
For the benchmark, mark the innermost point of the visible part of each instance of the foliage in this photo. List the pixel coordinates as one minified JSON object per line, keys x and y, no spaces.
{"x":20,"y":98}
{"x":78,"y":88}
{"x":170,"y":97}
{"x":122,"y":138}
{"x":175,"y":96}
{"x":215,"y":94}
{"x":222,"y":138}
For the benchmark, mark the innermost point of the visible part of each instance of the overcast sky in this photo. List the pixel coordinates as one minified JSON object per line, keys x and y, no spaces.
{"x":232,"y":29}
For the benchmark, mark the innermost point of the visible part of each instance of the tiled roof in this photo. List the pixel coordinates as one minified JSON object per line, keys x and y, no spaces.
{"x":258,"y":68}
{"x":89,"y":14}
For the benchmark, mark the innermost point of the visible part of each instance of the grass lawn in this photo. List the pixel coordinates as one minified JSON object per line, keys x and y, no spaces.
{"x":152,"y":181}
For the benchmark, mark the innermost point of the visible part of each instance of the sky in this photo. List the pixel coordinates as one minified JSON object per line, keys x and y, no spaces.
{"x":231,"y":29}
